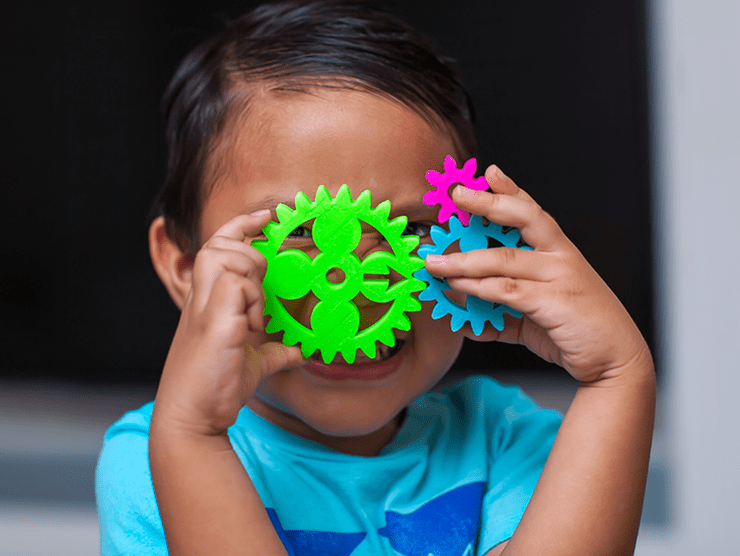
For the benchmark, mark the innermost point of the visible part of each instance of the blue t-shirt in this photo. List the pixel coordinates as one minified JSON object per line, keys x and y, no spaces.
{"x":454,"y":481}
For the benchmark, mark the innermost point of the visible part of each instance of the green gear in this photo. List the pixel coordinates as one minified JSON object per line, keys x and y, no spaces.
{"x":337,"y":229}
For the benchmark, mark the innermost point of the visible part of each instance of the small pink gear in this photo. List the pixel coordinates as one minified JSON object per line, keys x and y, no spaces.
{"x":442,"y":183}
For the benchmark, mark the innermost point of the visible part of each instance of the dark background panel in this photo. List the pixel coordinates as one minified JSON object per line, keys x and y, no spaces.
{"x":560,"y":93}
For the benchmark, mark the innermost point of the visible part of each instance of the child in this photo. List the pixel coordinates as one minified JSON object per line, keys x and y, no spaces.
{"x":251,"y":449}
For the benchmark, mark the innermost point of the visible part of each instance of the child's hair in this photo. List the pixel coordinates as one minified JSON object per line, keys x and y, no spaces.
{"x":296,"y":46}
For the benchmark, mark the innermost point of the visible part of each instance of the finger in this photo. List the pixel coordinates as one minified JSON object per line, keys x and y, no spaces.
{"x":239,"y":297}
{"x":537,"y":227}
{"x":276,"y":356}
{"x":245,"y":225}
{"x":500,"y":182}
{"x":211,"y":263}
{"x":500,"y":261}
{"x":230,"y":244}
{"x":254,"y":298}
{"x":214,"y":259}
{"x":521,"y":295}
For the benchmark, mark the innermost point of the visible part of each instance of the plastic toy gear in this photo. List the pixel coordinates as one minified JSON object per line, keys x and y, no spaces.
{"x":442,"y":183}
{"x":474,"y":236}
{"x":336,"y":231}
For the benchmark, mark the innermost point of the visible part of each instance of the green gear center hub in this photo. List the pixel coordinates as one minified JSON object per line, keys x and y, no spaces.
{"x":337,"y":231}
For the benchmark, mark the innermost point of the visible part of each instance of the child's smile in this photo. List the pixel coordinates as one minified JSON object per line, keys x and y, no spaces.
{"x":296,"y":142}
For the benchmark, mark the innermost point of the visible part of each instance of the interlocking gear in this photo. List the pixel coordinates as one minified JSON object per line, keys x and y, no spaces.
{"x":474,"y":236}
{"x":336,"y":231}
{"x":442,"y":182}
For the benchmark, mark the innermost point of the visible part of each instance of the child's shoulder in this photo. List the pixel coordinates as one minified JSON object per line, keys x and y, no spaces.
{"x":125,"y":448}
{"x":135,"y":421}
{"x":123,"y":486}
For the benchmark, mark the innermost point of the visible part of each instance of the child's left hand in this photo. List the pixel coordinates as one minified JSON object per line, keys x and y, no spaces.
{"x":570,"y":316}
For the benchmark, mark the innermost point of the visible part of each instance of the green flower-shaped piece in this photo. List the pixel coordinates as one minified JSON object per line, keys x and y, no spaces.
{"x":337,"y":230}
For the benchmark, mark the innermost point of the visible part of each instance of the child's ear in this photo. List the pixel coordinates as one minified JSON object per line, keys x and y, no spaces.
{"x":174,"y":268}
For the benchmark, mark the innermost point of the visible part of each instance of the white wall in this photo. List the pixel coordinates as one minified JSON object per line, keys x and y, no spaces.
{"x":696,"y":103}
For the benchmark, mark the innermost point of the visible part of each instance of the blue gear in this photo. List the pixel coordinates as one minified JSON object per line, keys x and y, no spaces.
{"x":477,"y":311}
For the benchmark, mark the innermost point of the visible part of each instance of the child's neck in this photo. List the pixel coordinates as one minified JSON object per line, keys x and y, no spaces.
{"x":367,"y":445}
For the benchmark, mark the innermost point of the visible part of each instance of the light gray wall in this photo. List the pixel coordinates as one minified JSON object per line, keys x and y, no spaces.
{"x":696,"y":101}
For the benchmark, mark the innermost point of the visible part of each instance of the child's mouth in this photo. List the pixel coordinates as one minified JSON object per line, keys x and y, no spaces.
{"x":386,"y":360}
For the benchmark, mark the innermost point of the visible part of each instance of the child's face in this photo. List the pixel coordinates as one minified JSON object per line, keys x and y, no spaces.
{"x":295,"y":142}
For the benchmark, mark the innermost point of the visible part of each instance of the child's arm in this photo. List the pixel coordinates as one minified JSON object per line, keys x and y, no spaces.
{"x":589,"y":497}
{"x":205,"y":497}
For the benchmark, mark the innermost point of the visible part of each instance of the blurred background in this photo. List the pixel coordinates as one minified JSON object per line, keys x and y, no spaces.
{"x":620,"y":118}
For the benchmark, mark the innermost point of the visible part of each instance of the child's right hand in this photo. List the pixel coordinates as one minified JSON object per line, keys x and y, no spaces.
{"x":219,"y":353}
{"x":570,"y":316}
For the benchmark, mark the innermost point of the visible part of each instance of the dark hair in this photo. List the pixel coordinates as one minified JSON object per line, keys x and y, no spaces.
{"x":297,"y":45}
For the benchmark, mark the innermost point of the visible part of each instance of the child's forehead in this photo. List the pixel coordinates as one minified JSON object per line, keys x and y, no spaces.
{"x":297,"y":143}
{"x":272,"y":111}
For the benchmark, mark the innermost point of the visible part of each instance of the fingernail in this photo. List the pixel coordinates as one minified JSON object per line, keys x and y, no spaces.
{"x":437,"y":260}
{"x":260,"y":213}
{"x":500,"y":174}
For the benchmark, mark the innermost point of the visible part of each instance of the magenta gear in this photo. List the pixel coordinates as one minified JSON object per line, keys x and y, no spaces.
{"x":442,"y":183}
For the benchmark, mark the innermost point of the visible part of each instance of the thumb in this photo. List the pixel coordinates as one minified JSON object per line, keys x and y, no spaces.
{"x":272,"y":357}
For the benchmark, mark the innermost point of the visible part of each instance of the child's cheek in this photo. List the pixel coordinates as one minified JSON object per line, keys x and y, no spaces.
{"x":435,"y":338}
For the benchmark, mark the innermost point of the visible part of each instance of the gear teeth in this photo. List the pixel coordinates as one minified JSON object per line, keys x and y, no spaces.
{"x":284,"y":212}
{"x":307,"y":352}
{"x":383,"y":210}
{"x":387,"y":338}
{"x":289,"y":338}
{"x":409,"y":243}
{"x":369,"y":349}
{"x":438,"y":235}
{"x":328,"y":354}
{"x":343,"y":198}
{"x":403,"y":322}
{"x":322,"y":195}
{"x":397,"y":225}
{"x":424,"y":250}
{"x":416,"y":285}
{"x":433,"y":176}
{"x":261,"y":245}
{"x":424,"y":295}
{"x":450,"y":165}
{"x":272,"y":326}
{"x":413,"y":305}
{"x":364,"y":201}
{"x":456,"y":227}
{"x":308,"y":346}
{"x":497,"y":322}
{"x":456,"y":322}
{"x":470,"y":166}
{"x":302,"y":202}
{"x":349,"y":353}
{"x":439,"y":311}
{"x":271,"y":232}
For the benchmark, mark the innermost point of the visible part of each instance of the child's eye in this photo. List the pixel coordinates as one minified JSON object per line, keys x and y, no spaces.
{"x":300,"y":231}
{"x":417,"y":229}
